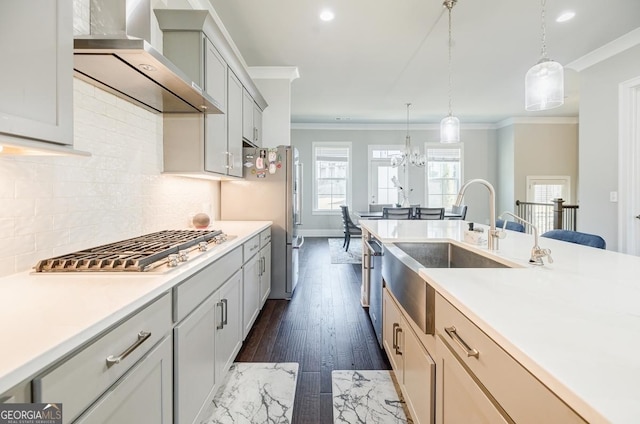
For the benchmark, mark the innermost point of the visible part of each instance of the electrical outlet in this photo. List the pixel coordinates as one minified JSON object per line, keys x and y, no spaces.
{"x":613,"y":196}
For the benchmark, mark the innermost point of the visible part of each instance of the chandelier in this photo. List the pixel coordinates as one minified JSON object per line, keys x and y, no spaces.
{"x":410,"y":155}
{"x":450,"y":125}
{"x":544,"y":82}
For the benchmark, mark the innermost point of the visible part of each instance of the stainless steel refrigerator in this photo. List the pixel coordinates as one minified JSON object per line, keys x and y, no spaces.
{"x":271,"y":190}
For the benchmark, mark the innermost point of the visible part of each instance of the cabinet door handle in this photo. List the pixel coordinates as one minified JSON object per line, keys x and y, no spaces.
{"x":221,"y":325}
{"x":398,"y":331}
{"x":142,"y":337}
{"x":452,"y":332}
{"x":264,"y":265}
{"x":394,"y":342}
{"x":225,"y":309}
{"x":365,"y":261}
{"x":230,"y":160}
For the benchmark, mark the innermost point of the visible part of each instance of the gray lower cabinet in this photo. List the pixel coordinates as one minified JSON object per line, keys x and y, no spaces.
{"x":37,"y":72}
{"x":250,"y":293}
{"x":207,"y":336}
{"x":195,"y":364}
{"x":142,"y":396}
{"x":265,"y":273}
{"x":229,"y":325}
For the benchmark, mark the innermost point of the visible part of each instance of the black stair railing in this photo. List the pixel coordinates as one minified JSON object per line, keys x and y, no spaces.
{"x":548,"y":216}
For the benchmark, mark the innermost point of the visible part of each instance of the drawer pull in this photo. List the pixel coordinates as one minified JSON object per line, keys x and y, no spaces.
{"x":142,"y":337}
{"x":451,"y":331}
{"x":396,"y":344}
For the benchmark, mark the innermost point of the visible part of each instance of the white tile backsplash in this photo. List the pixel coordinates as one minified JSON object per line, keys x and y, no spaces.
{"x":55,"y":205}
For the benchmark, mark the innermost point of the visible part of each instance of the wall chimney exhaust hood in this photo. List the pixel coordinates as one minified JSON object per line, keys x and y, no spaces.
{"x":111,"y":51}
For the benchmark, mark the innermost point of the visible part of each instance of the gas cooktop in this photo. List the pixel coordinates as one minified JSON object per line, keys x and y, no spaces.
{"x":138,"y":254}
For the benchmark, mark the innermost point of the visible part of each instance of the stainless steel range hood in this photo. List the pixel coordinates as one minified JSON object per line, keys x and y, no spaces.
{"x":112,"y":51}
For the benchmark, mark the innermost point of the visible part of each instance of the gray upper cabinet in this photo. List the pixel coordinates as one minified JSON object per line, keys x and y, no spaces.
{"x":234,"y":123}
{"x":36,"y":46}
{"x":211,"y":143}
{"x":251,"y":120}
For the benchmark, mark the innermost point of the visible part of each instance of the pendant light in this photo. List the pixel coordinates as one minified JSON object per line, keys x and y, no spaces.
{"x":450,"y":125}
{"x":411,"y":155}
{"x":544,"y":82}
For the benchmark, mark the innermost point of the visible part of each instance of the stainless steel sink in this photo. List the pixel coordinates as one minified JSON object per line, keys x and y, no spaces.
{"x":400,"y":264}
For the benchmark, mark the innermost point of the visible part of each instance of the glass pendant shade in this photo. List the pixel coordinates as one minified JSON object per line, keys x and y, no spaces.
{"x":544,"y":86}
{"x":450,"y":130}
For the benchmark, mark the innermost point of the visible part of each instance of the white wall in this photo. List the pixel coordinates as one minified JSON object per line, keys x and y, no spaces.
{"x":54,"y":205}
{"x":598,"y":153}
{"x":545,"y":149}
{"x":479,"y":152}
{"x":506,"y":171}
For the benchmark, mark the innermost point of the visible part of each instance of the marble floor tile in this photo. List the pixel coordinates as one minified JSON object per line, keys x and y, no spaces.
{"x":366,"y":397}
{"x":255,"y":393}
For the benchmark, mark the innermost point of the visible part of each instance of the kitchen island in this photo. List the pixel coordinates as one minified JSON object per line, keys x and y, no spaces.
{"x":572,"y":324}
{"x":52,"y":318}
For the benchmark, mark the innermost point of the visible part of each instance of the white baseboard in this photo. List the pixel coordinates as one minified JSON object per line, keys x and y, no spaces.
{"x":321,"y":233}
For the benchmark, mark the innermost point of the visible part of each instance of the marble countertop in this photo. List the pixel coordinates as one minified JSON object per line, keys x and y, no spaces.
{"x":574,"y":324}
{"x":46,"y":316}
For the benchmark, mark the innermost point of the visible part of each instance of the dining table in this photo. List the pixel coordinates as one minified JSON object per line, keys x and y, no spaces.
{"x":378,"y":215}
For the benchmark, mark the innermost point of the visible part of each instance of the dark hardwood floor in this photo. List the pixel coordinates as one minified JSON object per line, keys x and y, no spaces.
{"x":323,"y":328}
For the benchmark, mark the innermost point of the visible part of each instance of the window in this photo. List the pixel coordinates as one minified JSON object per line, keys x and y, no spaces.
{"x":542,"y":189}
{"x":443,"y":174}
{"x":331,"y":176}
{"x":381,"y":189}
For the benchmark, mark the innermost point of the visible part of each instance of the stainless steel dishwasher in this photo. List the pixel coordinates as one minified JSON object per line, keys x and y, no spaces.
{"x":374,"y":256}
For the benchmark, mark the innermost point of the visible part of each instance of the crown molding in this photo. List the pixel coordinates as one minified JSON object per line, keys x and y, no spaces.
{"x":382,"y":126}
{"x":620,"y":44}
{"x":542,"y":120}
{"x":274,"y":72}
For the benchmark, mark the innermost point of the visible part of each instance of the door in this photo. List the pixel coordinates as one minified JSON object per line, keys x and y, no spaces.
{"x":381,"y":188}
{"x":629,"y":162}
{"x":392,"y":335}
{"x":36,"y":46}
{"x":257,"y":125}
{"x":250,"y":293}
{"x":265,"y":274}
{"x":234,"y":125}
{"x":142,"y":396}
{"x":195,"y":373}
{"x":419,"y":377}
{"x":458,"y":398}
{"x":228,"y":323}
{"x":247,"y":115}
{"x":215,"y":133}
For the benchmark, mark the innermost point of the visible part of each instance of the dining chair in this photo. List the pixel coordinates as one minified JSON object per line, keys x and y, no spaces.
{"x":429,"y":213}
{"x":577,"y":237}
{"x":396,"y":213}
{"x":460,"y":212}
{"x":513,"y":226}
{"x":377,"y":207}
{"x":349,"y":228}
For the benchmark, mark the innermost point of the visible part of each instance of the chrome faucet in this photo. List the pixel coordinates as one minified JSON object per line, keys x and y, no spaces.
{"x":492,"y":240}
{"x":537,"y":253}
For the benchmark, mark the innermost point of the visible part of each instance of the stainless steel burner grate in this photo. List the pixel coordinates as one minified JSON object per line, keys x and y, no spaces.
{"x":135,"y":254}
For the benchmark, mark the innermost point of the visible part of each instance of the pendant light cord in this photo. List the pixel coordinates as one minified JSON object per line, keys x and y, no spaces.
{"x":543,"y":30}
{"x":449,"y":5}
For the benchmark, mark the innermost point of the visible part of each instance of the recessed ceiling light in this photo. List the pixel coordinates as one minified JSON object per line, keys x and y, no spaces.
{"x":327,"y":15}
{"x":565,"y":16}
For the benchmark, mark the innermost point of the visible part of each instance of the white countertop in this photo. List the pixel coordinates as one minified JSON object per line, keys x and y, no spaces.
{"x":47,"y":315}
{"x":574,"y":324}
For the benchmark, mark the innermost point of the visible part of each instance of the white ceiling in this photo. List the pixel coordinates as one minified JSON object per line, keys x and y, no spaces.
{"x":378,"y":55}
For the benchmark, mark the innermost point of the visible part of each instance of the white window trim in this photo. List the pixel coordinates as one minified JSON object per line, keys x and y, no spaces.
{"x":443,"y":146}
{"x":341,"y":144}
{"x":530,"y":179}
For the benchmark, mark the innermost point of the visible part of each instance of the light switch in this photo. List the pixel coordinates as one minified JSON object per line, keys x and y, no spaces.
{"x":613,"y":196}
